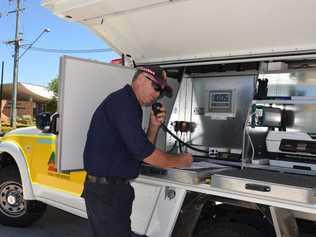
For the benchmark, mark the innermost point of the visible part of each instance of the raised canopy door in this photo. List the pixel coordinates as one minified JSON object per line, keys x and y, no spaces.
{"x":166,"y":31}
{"x":83,"y":86}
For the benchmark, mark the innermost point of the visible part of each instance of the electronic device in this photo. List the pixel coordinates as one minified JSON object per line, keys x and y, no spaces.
{"x":221,"y":104}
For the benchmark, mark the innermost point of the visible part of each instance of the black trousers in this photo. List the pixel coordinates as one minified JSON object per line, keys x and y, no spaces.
{"x":109,"y":207}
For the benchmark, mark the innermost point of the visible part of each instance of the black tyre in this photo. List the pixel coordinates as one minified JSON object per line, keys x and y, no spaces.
{"x":14,"y":210}
{"x":228,"y":229}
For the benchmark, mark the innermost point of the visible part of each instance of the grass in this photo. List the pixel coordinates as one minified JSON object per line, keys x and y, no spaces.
{"x":6,"y":127}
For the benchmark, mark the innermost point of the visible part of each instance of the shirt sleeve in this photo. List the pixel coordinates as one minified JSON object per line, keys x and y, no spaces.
{"x":127,"y":120}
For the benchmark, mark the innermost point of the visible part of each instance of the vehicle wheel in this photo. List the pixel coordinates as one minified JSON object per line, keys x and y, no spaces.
{"x":14,"y":210}
{"x":231,"y":229}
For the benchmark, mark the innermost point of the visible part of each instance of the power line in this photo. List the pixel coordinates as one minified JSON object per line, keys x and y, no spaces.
{"x":34,"y":41}
{"x":46,"y":50}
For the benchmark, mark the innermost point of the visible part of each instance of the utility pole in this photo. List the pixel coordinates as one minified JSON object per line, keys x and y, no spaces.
{"x":1,"y":89}
{"x":17,"y":57}
{"x":16,"y":64}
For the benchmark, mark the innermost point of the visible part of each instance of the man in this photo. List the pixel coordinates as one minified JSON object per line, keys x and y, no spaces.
{"x":115,"y":147}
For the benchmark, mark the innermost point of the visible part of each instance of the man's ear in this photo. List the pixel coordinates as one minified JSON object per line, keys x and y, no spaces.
{"x":164,"y":74}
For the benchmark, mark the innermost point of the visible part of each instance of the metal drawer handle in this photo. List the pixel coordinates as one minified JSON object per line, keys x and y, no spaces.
{"x":258,"y":187}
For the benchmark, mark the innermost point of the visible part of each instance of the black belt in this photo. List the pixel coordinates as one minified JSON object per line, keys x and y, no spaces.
{"x":107,"y":180}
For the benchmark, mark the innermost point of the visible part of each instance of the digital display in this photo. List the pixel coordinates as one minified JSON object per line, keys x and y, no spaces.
{"x":220,"y":101}
{"x":220,"y":97}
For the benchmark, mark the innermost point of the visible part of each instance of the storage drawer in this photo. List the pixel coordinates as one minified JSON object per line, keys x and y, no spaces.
{"x":298,"y":188}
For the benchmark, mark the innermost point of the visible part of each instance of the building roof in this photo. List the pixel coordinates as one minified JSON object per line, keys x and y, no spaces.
{"x":27,"y":92}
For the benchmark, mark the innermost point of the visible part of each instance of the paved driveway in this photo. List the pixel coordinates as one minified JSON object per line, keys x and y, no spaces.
{"x":54,"y":223}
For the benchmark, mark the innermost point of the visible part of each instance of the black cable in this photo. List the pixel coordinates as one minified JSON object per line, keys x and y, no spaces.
{"x":180,"y":145}
{"x":164,"y":127}
{"x":71,"y":50}
{"x":156,"y":109}
{"x":172,"y":148}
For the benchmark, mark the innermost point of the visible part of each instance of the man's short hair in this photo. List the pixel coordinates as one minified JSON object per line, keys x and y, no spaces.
{"x":136,"y":74}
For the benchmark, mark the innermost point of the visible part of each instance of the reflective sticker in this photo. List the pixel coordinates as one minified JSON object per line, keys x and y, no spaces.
{"x":52,"y":170}
{"x":52,"y":163}
{"x":44,"y":141}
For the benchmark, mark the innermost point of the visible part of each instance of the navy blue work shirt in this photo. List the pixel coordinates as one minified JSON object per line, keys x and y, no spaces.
{"x":116,"y":142}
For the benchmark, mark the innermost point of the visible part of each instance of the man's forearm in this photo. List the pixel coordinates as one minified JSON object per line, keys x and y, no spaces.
{"x":164,"y":160}
{"x":152,"y":133}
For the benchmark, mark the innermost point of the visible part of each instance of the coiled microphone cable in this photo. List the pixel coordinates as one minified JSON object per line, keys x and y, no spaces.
{"x":156,"y":109}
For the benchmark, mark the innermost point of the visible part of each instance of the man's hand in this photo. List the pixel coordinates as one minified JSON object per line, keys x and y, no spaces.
{"x":186,"y":159}
{"x":157,"y":120}
{"x":154,"y":124}
{"x":162,"y":159}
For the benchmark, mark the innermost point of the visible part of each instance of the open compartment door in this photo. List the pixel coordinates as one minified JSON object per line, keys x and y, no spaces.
{"x":83,"y":86}
{"x":162,"y":31}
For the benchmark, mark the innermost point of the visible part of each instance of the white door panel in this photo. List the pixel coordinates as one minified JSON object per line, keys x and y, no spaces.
{"x":83,"y":86}
{"x":146,"y":197}
{"x":166,"y":212}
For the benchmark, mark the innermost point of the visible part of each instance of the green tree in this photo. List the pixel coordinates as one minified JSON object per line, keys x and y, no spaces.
{"x":53,"y":86}
{"x":51,"y":106}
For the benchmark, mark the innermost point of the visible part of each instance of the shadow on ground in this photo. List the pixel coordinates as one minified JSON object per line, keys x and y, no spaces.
{"x":54,"y":223}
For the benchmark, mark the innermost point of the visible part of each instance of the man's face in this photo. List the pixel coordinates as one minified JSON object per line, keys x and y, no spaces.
{"x":150,"y":89}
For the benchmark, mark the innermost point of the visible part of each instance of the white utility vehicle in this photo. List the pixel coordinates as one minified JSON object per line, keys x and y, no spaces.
{"x":244,"y":103}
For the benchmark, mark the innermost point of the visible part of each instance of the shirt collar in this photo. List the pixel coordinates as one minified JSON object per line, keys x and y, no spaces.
{"x":131,"y":93}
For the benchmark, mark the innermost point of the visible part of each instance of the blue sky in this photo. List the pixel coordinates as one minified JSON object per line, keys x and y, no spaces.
{"x":40,"y":68}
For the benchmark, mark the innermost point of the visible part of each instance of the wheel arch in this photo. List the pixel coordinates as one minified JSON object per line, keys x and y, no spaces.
{"x":15,"y":152}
